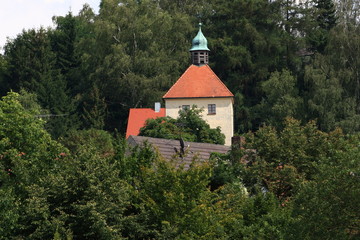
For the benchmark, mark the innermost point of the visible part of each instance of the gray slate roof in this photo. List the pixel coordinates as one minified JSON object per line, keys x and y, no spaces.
{"x":166,"y":148}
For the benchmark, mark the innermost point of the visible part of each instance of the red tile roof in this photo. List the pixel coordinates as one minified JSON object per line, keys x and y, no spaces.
{"x":198,"y":82}
{"x":137,"y":118}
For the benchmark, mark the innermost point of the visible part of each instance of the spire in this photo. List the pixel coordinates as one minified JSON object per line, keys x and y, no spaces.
{"x":199,"y":49}
{"x":199,"y":42}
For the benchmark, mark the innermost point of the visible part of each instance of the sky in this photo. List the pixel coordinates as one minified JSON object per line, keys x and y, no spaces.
{"x":16,"y":15}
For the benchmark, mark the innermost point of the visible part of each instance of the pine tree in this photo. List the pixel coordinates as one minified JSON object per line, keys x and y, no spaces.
{"x":326,"y":19}
{"x":326,"y":14}
{"x":32,"y":67}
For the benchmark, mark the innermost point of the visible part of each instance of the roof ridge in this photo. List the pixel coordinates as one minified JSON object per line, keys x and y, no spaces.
{"x":219,"y":80}
{"x":176,"y":82}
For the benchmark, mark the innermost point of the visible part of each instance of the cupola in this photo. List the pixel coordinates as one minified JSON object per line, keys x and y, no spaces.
{"x":199,"y":50}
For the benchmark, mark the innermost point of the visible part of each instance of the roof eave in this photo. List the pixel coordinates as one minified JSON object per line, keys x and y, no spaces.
{"x":198,"y":97}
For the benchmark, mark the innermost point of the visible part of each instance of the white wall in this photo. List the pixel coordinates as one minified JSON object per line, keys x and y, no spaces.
{"x":224,"y":117}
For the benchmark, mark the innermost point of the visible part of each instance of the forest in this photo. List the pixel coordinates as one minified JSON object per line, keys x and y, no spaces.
{"x":66,"y":171}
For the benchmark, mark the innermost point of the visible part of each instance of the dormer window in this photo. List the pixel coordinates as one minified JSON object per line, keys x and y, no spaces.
{"x":211,"y":109}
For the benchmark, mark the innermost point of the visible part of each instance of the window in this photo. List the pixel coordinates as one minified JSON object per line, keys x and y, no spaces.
{"x":195,"y":57}
{"x":211,"y":109}
{"x":185,"y":107}
{"x":202,"y":57}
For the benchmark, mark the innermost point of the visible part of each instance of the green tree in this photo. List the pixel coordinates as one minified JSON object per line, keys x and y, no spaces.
{"x":47,"y":191}
{"x":64,"y":40}
{"x":326,"y":208}
{"x":281,"y":98}
{"x":247,"y":44}
{"x":342,"y":52}
{"x":176,"y":203}
{"x":286,"y":159}
{"x":188,"y":126}
{"x":27,"y":153}
{"x":94,"y":109}
{"x":326,"y":19}
{"x":326,"y":99}
{"x":137,"y":52}
{"x":85,"y":196}
{"x":31,"y":66}
{"x":3,"y":71}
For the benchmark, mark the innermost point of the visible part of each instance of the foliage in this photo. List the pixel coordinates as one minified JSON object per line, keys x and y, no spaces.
{"x":281,"y":98}
{"x":90,"y":69}
{"x":246,"y":46}
{"x":189,"y":126}
{"x":27,"y":152}
{"x":98,"y":142}
{"x":286,"y":159}
{"x":290,"y":180}
{"x":326,"y":19}
{"x":32,"y":67}
{"x":326,"y":207}
{"x":292,"y":186}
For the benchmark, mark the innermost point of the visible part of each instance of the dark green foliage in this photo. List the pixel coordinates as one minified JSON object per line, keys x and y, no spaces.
{"x":189,"y":126}
{"x":325,"y":20}
{"x":94,"y":110}
{"x":281,"y":99}
{"x":4,"y":84}
{"x":246,"y":46}
{"x":31,"y":66}
{"x":326,"y":17}
{"x":97,"y":141}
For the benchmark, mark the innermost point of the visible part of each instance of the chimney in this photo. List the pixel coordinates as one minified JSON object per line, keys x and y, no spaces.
{"x":238,"y":141}
{"x":157,"y":107}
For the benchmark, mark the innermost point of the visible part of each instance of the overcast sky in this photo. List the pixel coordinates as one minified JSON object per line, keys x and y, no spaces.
{"x":16,"y":15}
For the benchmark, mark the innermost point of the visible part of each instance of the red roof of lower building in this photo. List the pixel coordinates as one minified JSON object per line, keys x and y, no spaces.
{"x":198,"y":82}
{"x":137,"y":118}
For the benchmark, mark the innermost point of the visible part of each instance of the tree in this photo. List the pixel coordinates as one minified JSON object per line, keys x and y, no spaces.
{"x":32,"y":67}
{"x":94,"y":109}
{"x":189,"y":126}
{"x":286,"y":159}
{"x":247,"y":44}
{"x":27,"y":154}
{"x":63,"y":42}
{"x":281,"y":99}
{"x":326,"y":208}
{"x":326,"y":101}
{"x":3,"y":71}
{"x":137,"y":52}
{"x":47,"y":191}
{"x":326,"y":19}
{"x":343,"y":55}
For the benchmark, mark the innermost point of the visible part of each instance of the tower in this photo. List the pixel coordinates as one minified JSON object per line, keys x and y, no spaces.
{"x":200,"y":86}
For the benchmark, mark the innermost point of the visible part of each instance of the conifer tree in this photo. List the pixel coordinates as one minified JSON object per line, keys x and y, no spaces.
{"x":325,"y":21}
{"x":32,"y":67}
